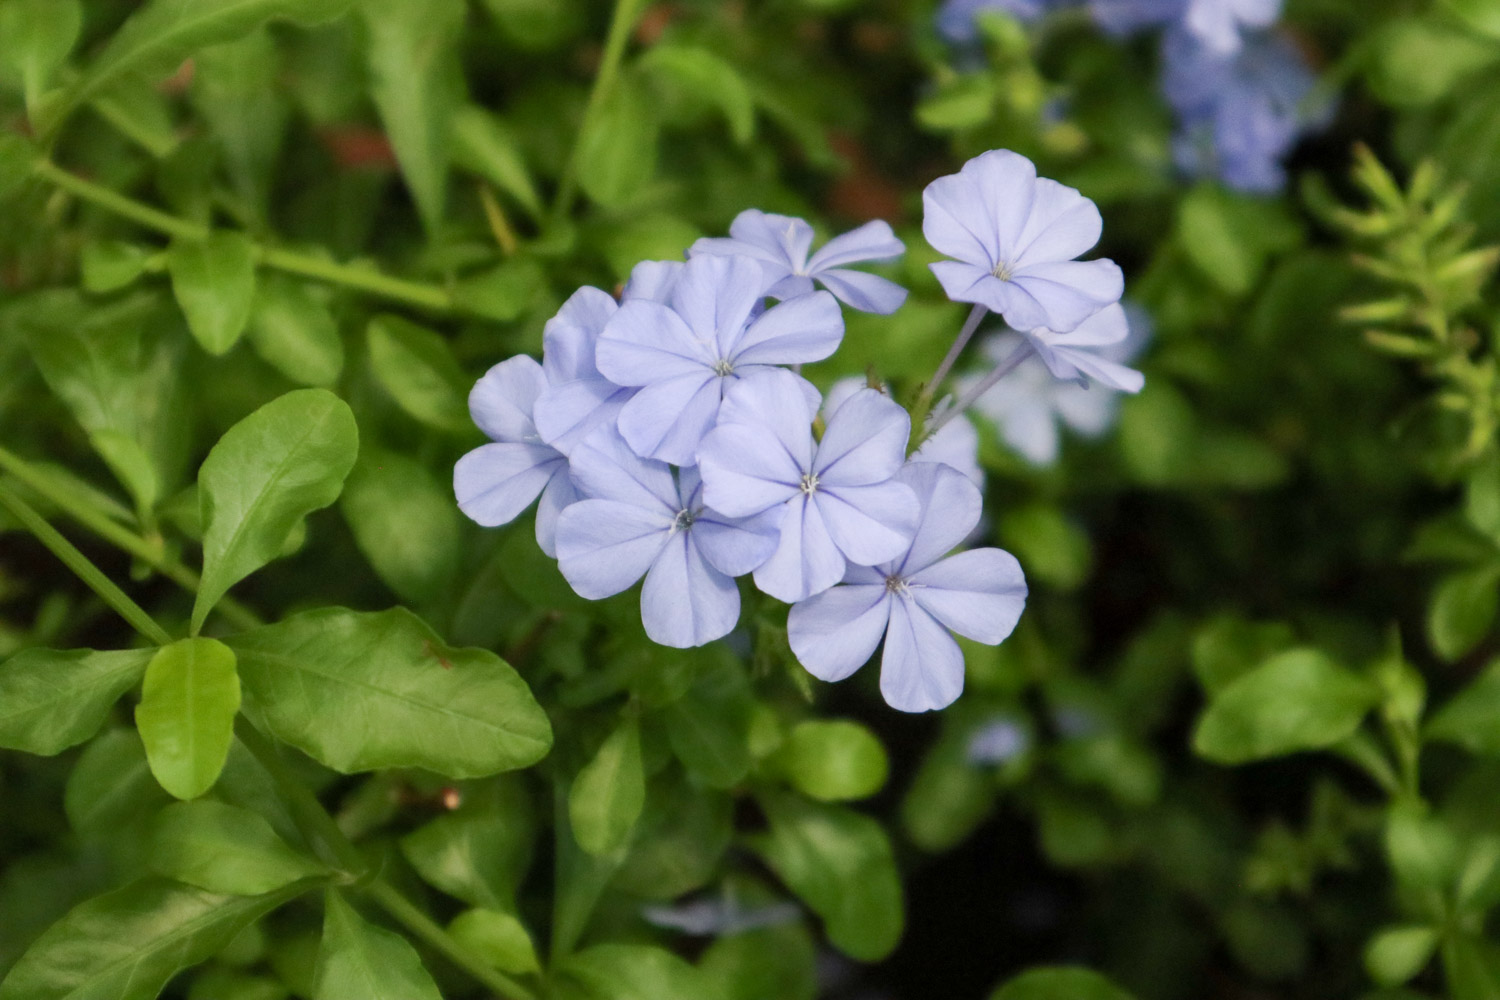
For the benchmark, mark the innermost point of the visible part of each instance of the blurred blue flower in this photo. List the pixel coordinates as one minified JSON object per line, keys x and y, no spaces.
{"x":1001,"y":739}
{"x":495,"y":482}
{"x":1122,"y":17}
{"x":1217,"y":24}
{"x":780,"y":244}
{"x":956,"y":18}
{"x":638,"y":520}
{"x":684,"y":354}
{"x":577,"y":399}
{"x":956,"y":443}
{"x":1239,"y":115}
{"x":1027,"y":405}
{"x":1014,"y":236}
{"x":839,"y":502}
{"x":914,"y":601}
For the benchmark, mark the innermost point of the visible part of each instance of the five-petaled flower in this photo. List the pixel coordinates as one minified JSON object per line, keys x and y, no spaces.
{"x":1015,"y":236}
{"x":914,"y":601}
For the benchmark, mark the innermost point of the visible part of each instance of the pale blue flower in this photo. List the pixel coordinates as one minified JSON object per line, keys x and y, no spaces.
{"x":780,"y":244}
{"x":1122,"y":17}
{"x":1014,"y":236}
{"x":1239,"y":114}
{"x":1000,"y":740}
{"x":577,"y":398}
{"x":495,"y":482}
{"x":723,"y":916}
{"x":637,"y":519}
{"x":685,"y":354}
{"x":1029,"y":403}
{"x":956,"y":19}
{"x":653,"y":280}
{"x":956,"y":443}
{"x":915,"y":601}
{"x":837,"y":497}
{"x":1080,"y":355}
{"x":1219,"y":24}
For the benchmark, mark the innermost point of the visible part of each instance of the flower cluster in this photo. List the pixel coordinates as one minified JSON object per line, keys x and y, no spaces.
{"x":1243,"y":94}
{"x":670,"y":436}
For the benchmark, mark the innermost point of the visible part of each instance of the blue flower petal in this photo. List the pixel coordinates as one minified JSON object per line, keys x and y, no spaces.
{"x":835,"y":633}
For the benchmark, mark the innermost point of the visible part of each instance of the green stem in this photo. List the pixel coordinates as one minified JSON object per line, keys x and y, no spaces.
{"x":119,"y":536}
{"x":416,"y":293}
{"x":83,"y":568}
{"x":316,"y":821}
{"x":623,"y":20}
{"x":923,"y":405}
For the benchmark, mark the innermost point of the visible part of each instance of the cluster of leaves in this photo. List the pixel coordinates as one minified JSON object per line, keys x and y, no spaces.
{"x":255,"y":254}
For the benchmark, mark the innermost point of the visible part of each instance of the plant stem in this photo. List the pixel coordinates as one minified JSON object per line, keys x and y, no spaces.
{"x":625,"y":14}
{"x":316,"y":822}
{"x":923,"y":405}
{"x":416,"y":293}
{"x":83,"y":568}
{"x":983,"y":386}
{"x":121,"y":537}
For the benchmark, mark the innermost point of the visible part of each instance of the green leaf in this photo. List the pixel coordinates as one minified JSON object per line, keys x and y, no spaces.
{"x":580,"y":879}
{"x":53,"y":699}
{"x":404,"y":522}
{"x":109,"y":265}
{"x":709,"y":728}
{"x":294,"y":332}
{"x":607,"y":796}
{"x":417,"y":367}
{"x":213,"y":280}
{"x":1060,"y":983}
{"x":126,"y":944}
{"x":360,"y":691}
{"x":417,"y":87}
{"x":269,"y":471}
{"x":1297,"y":700}
{"x":131,"y":466}
{"x":833,"y":760}
{"x":652,"y":236}
{"x":225,"y":849}
{"x":111,"y":787}
{"x":1424,"y":851}
{"x":616,"y":155}
{"x":1230,"y":237}
{"x":537,"y":25}
{"x":680,"y":839}
{"x":1397,"y":954}
{"x":186,"y":714}
{"x":233,"y":89}
{"x":1228,"y":647}
{"x":1481,"y":15}
{"x":698,"y":75}
{"x":38,"y":35}
{"x":161,"y":34}
{"x":1462,"y":610}
{"x":1415,"y":61}
{"x":1471,"y":718}
{"x":504,"y":292}
{"x":481,"y":851}
{"x":485,"y":145}
{"x":359,"y":961}
{"x":840,"y":864}
{"x":770,"y":963}
{"x":630,"y":972}
{"x":1471,"y":966}
{"x":959,"y":103}
{"x":497,"y":937}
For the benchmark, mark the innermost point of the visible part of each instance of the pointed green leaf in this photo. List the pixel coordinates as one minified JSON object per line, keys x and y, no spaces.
{"x":126,"y":944}
{"x":484,"y":144}
{"x":630,"y":972}
{"x":270,"y":470}
{"x":404,"y":522}
{"x":1397,"y":954}
{"x":616,"y":155}
{"x":481,"y":851}
{"x":38,"y":35}
{"x":162,"y":33}
{"x":840,"y":863}
{"x":53,"y":699}
{"x":607,"y":796}
{"x":186,"y":714}
{"x":294,"y":332}
{"x":111,"y":786}
{"x":360,"y":691}
{"x":213,"y":280}
{"x":709,"y":728}
{"x":418,"y":369}
{"x":1297,"y":700}
{"x":359,"y":961}
{"x":499,"y":937}
{"x":416,"y":84}
{"x":1462,"y":610}
{"x":131,"y":466}
{"x":698,"y":75}
{"x":233,"y":90}
{"x":226,"y":849}
{"x":109,"y":265}
{"x":1472,"y":717}
{"x":1471,"y":966}
{"x":1060,"y":984}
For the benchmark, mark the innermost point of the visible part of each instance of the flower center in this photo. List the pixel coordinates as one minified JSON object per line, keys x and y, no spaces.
{"x":810,"y":483}
{"x":683,"y":520}
{"x":1002,"y":271}
{"x":723,"y":368}
{"x":896,"y":585}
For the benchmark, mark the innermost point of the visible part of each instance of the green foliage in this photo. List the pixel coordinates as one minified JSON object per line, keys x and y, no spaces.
{"x":186,"y":715}
{"x":608,"y":794}
{"x":359,"y":961}
{"x":54,"y":699}
{"x":225,"y":849}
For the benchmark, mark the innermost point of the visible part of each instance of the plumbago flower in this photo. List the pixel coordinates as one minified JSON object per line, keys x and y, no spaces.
{"x":683,"y":355}
{"x":639,"y":520}
{"x":915,"y":601}
{"x":1030,"y":403}
{"x":1015,"y":236}
{"x":955,"y":443}
{"x":837,"y":500}
{"x":1216,"y":24}
{"x":780,"y":243}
